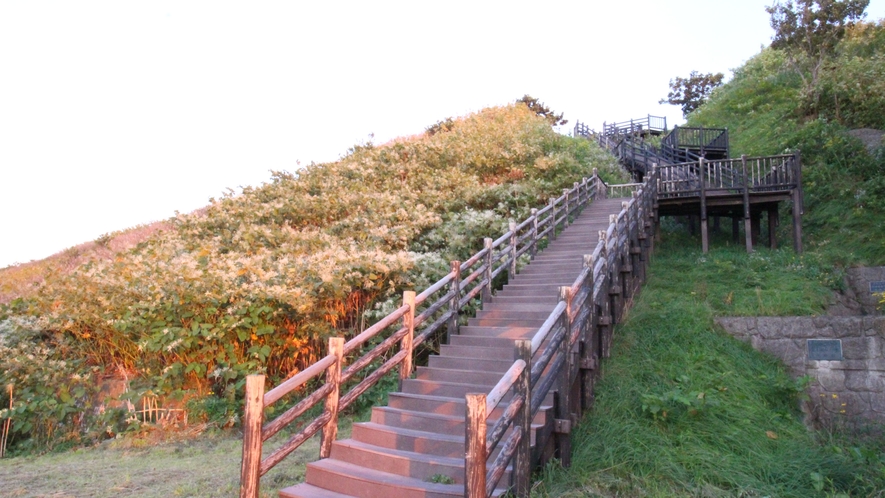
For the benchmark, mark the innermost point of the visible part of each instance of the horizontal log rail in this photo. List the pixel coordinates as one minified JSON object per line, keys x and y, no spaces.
{"x":349,"y":372}
{"x":564,"y":350}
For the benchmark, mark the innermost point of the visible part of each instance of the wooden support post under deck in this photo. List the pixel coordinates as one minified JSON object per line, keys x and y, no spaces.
{"x":773,"y":222}
{"x":705,"y":233}
{"x":748,"y":229}
{"x":798,"y":208}
{"x":735,"y":229}
{"x":756,"y":224}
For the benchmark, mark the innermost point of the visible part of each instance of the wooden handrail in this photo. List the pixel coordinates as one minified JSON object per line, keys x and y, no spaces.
{"x":481,"y":269}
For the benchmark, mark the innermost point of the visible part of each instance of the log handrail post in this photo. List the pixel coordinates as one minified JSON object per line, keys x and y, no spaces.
{"x":565,"y":194}
{"x":406,"y":344}
{"x":553,"y":217}
{"x":476,"y":451}
{"x":562,"y":405}
{"x":595,"y":179}
{"x":513,"y":241}
{"x":253,"y":418}
{"x":455,"y":303}
{"x":587,"y":360}
{"x":534,"y":250}
{"x":487,"y":276}
{"x":522,"y":470}
{"x":333,"y":377}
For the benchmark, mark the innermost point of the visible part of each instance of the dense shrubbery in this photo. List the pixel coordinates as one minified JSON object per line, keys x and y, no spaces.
{"x":844,"y":183}
{"x":258,"y":281}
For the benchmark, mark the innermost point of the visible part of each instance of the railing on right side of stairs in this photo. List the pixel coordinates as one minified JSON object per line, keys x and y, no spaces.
{"x":349,"y":371}
{"x":564,"y":353}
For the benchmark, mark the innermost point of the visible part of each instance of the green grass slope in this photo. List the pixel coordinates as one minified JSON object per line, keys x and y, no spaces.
{"x":683,"y":409}
{"x":766,"y":112}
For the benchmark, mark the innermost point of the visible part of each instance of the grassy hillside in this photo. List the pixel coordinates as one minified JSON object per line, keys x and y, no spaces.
{"x":683,"y":409}
{"x":766,"y":112}
{"x":257,"y":281}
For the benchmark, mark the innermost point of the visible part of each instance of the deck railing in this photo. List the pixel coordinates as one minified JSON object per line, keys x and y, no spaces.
{"x":779,"y":173}
{"x":697,"y":138}
{"x":636,"y":126}
{"x":348,"y":372}
{"x":564,"y":353}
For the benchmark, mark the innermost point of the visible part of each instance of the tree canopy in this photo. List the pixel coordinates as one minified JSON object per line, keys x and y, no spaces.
{"x":689,"y":93}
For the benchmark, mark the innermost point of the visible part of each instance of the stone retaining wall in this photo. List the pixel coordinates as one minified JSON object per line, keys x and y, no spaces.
{"x":848,"y":391}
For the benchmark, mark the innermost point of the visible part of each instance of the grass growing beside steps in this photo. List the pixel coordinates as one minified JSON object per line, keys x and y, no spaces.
{"x":201,"y":466}
{"x":685,"y":410}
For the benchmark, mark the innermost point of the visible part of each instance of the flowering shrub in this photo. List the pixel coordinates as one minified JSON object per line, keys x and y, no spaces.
{"x":257,"y":281}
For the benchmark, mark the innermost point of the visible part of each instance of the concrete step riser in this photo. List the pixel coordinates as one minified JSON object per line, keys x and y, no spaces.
{"x":445,"y":389}
{"x":377,"y":459}
{"x":512,"y":315}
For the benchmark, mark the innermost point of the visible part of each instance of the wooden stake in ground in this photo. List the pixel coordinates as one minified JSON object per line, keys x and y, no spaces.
{"x":7,"y":423}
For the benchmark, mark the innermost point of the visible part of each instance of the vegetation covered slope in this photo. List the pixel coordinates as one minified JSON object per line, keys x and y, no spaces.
{"x":767,"y":111}
{"x":257,"y":281}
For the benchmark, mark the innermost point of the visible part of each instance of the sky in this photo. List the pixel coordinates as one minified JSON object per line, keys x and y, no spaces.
{"x":115,"y":114}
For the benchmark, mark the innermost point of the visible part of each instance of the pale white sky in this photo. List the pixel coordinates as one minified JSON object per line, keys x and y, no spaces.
{"x":114,"y":114}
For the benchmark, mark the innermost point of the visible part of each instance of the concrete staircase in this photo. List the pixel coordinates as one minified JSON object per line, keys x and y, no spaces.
{"x":414,"y":447}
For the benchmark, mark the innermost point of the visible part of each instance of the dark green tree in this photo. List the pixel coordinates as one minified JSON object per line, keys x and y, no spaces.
{"x":808,"y":32}
{"x":542,"y":110}
{"x":690,"y":93}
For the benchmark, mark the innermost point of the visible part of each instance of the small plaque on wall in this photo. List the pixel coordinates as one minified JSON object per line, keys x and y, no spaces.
{"x":877,"y":287}
{"x":825,"y":349}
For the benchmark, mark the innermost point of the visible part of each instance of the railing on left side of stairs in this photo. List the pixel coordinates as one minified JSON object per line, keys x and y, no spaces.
{"x":349,"y":372}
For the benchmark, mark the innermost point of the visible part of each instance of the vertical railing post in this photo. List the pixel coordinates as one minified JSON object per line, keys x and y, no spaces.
{"x":455,"y":304}
{"x":562,"y":404}
{"x":534,"y":233}
{"x":565,"y":194}
{"x":553,"y":219}
{"x":513,"y":242}
{"x":605,"y":318}
{"x":487,"y":274}
{"x":253,"y":418}
{"x":333,"y":377}
{"x":587,"y":360}
{"x":476,"y":451}
{"x":522,"y":470}
{"x":406,"y":344}
{"x":595,"y":186}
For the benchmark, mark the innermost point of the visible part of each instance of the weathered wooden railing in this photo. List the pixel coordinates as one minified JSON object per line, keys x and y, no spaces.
{"x":562,"y":357}
{"x":426,"y":314}
{"x":634,"y":126}
{"x":750,"y":174}
{"x":701,"y":139}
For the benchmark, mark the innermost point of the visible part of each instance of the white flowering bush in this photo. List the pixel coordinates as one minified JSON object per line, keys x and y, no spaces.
{"x":257,"y":281}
